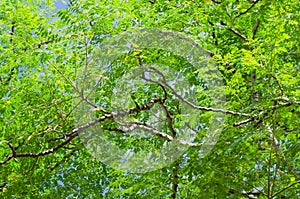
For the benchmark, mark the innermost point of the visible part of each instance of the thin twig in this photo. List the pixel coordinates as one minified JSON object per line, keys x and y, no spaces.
{"x":131,"y":126}
{"x":199,"y":107}
{"x":246,"y":11}
{"x":254,"y":187}
{"x":63,"y":159}
{"x":279,"y":85}
{"x":268,"y":109}
{"x":282,"y":190}
{"x":244,"y":38}
{"x":255,"y":28}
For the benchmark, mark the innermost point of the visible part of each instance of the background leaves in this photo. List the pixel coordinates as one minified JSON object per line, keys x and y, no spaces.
{"x":255,"y":45}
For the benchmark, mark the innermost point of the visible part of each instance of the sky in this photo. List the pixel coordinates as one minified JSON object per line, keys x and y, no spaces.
{"x":61,"y":4}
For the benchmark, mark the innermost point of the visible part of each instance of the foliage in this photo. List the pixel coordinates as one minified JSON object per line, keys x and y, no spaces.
{"x":255,"y":46}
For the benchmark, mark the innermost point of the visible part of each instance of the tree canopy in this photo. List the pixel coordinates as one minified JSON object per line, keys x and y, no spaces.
{"x":218,"y":100}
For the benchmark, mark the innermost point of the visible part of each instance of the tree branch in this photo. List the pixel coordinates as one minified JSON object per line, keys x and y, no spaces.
{"x":244,"y":38}
{"x":195,"y":106}
{"x":268,"y":109}
{"x":214,"y":36}
{"x":246,"y":11}
{"x":255,"y":28}
{"x":279,"y":85}
{"x":76,"y":131}
{"x":42,"y":43}
{"x":175,"y":179}
{"x":282,"y":190}
{"x":217,"y":2}
{"x":63,"y":159}
{"x":12,"y":31}
{"x":131,"y":126}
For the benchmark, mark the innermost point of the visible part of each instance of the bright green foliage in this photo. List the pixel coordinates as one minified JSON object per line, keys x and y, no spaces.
{"x":255,"y":46}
